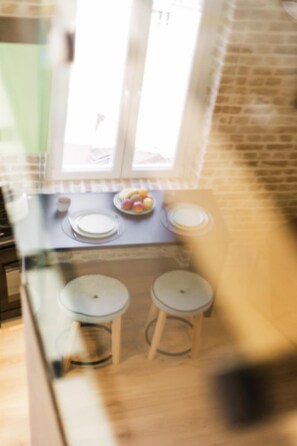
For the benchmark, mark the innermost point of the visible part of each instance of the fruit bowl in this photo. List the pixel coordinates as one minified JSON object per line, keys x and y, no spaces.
{"x":134,"y":201}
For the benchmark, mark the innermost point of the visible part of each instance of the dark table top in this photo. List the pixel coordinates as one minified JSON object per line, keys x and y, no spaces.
{"x":43,"y":229}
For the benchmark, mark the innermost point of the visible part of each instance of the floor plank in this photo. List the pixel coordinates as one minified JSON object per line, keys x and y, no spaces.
{"x":14,"y":418}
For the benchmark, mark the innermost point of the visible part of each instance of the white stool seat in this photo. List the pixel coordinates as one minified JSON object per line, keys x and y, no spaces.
{"x":181,"y":293}
{"x":94,"y":298}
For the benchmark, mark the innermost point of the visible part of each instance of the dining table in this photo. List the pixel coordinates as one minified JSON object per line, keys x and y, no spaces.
{"x":47,"y":230}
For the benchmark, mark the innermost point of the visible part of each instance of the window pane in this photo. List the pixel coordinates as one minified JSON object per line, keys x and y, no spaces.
{"x":172,"y":38}
{"x":96,"y":84}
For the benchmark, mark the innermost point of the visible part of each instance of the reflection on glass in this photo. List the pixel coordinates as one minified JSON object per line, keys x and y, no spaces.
{"x":171,"y":44}
{"x":96,"y":84}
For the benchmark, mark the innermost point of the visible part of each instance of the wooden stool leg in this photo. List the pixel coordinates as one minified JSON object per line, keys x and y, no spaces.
{"x":157,"y":334}
{"x":67,"y":358}
{"x":152,"y":314}
{"x":197,"y":325}
{"x":116,"y":340}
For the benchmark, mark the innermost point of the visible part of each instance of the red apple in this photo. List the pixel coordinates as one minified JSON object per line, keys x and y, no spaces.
{"x":126,"y":204}
{"x":138,"y":206}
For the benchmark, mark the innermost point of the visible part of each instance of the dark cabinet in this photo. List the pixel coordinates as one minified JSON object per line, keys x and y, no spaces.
{"x":10,"y":277}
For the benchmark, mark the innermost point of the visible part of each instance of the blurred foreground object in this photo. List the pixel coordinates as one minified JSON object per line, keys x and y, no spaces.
{"x":249,"y":393}
{"x":254,"y":387}
{"x":241,"y":393}
{"x":290,"y":7}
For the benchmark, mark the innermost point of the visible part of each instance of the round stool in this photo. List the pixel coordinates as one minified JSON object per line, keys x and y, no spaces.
{"x":94,"y":299}
{"x":179,"y":294}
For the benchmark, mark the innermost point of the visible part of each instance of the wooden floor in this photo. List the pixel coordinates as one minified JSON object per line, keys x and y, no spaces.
{"x":14,"y":427}
{"x":168,"y":401}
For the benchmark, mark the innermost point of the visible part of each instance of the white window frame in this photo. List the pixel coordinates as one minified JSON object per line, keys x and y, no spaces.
{"x":194,"y":110}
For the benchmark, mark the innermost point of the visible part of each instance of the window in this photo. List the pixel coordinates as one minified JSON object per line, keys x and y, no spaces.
{"x":129,"y":86}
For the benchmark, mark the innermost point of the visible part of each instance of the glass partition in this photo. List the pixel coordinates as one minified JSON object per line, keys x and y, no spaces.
{"x":97,"y":399}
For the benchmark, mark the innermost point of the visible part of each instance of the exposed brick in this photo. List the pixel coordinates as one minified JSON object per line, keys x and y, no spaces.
{"x":251,"y":60}
{"x":241,"y":80}
{"x":286,"y":25}
{"x":231,"y":58}
{"x":222,"y":99}
{"x":285,"y":138}
{"x":287,"y":129}
{"x":258,"y":109}
{"x":274,"y":81}
{"x":285,"y":71}
{"x":290,"y":171}
{"x":240,"y":119}
{"x":249,"y":147}
{"x":274,"y":164}
{"x":237,"y":138}
{"x":225,"y":89}
{"x":287,"y":120}
{"x":257,"y":14}
{"x":243,"y":70}
{"x":218,"y":118}
{"x":238,"y":99}
{"x":250,"y":155}
{"x":240,"y":49}
{"x":272,"y":179}
{"x":253,"y":138}
{"x":263,"y":71}
{"x":261,"y":91}
{"x":236,"y":38}
{"x":286,"y":188}
{"x":225,"y":129}
{"x":279,"y":146}
{"x":260,"y":120}
{"x":291,"y":39}
{"x":285,"y":49}
{"x":255,"y":38}
{"x":253,"y":129}
{"x":227,"y":80}
{"x":289,"y":111}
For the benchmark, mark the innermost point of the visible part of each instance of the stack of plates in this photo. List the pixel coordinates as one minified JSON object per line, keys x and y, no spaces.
{"x":94,"y":224}
{"x":188,"y":217}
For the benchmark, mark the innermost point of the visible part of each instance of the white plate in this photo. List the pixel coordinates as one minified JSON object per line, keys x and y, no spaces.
{"x":188,"y":216}
{"x":92,"y":236}
{"x":118,"y":204}
{"x":95,"y":224}
{"x":192,"y":228}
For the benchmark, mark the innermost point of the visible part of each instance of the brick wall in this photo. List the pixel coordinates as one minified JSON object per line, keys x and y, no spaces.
{"x":27,"y":8}
{"x":250,"y":160}
{"x":23,"y":172}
